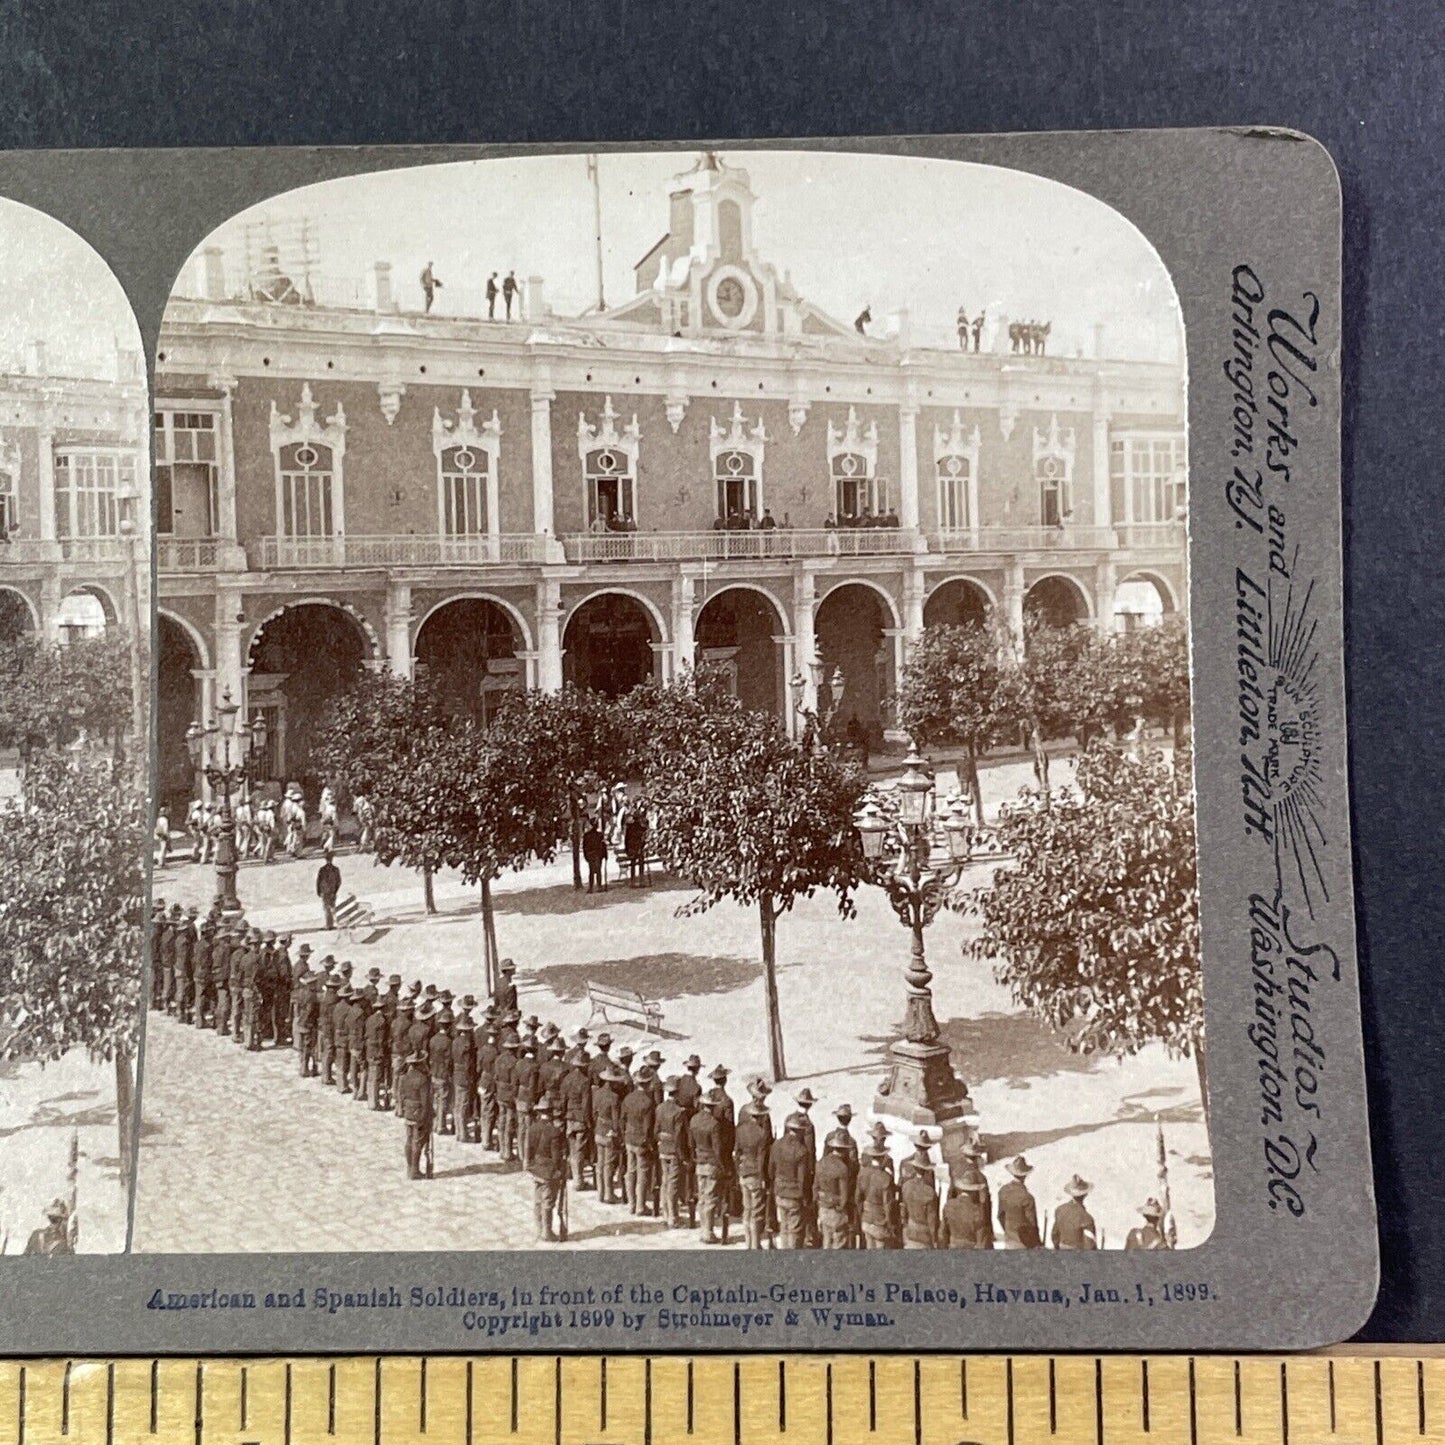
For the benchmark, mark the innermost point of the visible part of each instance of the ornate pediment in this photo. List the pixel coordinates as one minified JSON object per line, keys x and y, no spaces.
{"x":465,"y":431}
{"x":308,"y":428}
{"x":1056,"y":442}
{"x":854,"y":438}
{"x":605,"y":434}
{"x":957,"y":440}
{"x":738,"y":436}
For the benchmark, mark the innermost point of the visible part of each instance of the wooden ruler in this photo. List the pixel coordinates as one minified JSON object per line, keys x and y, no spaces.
{"x":1350,"y":1397}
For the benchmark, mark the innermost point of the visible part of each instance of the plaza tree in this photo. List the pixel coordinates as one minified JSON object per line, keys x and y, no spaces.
{"x":1095,"y":926}
{"x":960,"y":687}
{"x":1153,"y":676}
{"x":742,"y":811}
{"x":387,"y":739}
{"x":72,"y":853}
{"x":51,"y":693}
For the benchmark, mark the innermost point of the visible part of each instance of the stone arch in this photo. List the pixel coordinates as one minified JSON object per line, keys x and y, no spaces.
{"x":469,"y":645}
{"x":1168,"y":598}
{"x":180,"y":653}
{"x":301,"y":657}
{"x":193,"y":633}
{"x":18,"y":615}
{"x":518,"y":617}
{"x":604,"y":647}
{"x":78,"y":620}
{"x":736,"y":630}
{"x":959,"y":601}
{"x":884,"y":596}
{"x":852,"y":627}
{"x":1058,"y":599}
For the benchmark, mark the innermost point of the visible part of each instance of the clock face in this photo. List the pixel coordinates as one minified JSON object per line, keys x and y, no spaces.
{"x":731,"y":298}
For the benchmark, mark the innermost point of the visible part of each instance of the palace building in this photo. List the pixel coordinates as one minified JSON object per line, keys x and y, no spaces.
{"x":715,"y":470}
{"x":74,"y":517}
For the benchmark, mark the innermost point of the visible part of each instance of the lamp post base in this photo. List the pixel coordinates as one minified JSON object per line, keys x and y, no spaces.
{"x":921,"y":1091}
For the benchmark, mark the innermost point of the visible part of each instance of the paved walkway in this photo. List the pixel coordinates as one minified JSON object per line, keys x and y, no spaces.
{"x":239,"y":1153}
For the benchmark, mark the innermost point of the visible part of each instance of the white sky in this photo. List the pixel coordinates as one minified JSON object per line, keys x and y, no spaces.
{"x":884,"y":230}
{"x":55,"y":288}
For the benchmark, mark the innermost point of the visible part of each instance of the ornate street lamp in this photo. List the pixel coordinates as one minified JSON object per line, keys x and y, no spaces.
{"x":898,"y":839}
{"x":223,"y":774}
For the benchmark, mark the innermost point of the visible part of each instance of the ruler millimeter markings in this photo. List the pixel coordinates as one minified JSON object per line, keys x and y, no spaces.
{"x":1349,"y":1398}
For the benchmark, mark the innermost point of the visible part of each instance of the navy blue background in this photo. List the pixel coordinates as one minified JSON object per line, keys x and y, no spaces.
{"x":1365,"y":80}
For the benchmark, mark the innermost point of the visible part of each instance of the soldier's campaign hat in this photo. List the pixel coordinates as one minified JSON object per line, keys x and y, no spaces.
{"x":370,"y":994}
{"x":158,"y":905}
{"x":346,"y":991}
{"x":430,"y":992}
{"x":654,"y":1058}
{"x":879,"y":1131}
{"x":286,"y":939}
{"x":193,"y":912}
{"x":716,"y":1097}
{"x":693,"y":1062}
{"x":508,"y":966}
{"x":1018,"y":1166}
{"x":468,"y":1001}
{"x":406,"y":1005}
{"x":796,"y":1123}
{"x":304,"y":951}
{"x":923,"y":1140}
{"x":175,"y":910}
{"x":843,"y":1112}
{"x":270,"y":935}
{"x":414,"y":988}
{"x":646,"y":1074}
{"x":805,"y":1097}
{"x":331,"y":981}
{"x":1152,"y":1209}
{"x":374,"y":974}
{"x":532,"y":1022}
{"x":604,"y":1041}
{"x":446,"y":996}
{"x":720,"y":1074}
{"x":1077,"y":1187}
{"x":424,"y":1010}
{"x":394,"y":982}
{"x":57,"y":1209}
{"x":550,"y":1031}
{"x":582,"y":1035}
{"x":445,"y":1017}
{"x":839,"y":1139}
{"x":759,"y":1087}
{"x":972,"y":1182}
{"x":329,"y":961}
{"x":543,"y":1105}
{"x":624,"y":1053}
{"x":346,"y":968}
{"x":208,"y":928}
{"x":509,"y":1039}
{"x":555,"y":1045}
{"x":672,"y":1083}
{"x":613,"y":1075}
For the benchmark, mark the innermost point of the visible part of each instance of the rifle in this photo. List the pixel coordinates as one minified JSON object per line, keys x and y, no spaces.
{"x":562,"y":1210}
{"x":429,"y":1138}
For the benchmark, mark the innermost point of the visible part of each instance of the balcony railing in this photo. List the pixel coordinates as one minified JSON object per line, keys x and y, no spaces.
{"x":781,"y":542}
{"x":1024,"y":539}
{"x":94,"y":549}
{"x":1151,"y":536}
{"x":282,"y":554}
{"x":187,"y":554}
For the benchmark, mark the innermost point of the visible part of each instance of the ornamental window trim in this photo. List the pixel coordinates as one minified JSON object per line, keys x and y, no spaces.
{"x":738,"y":439}
{"x":306,"y":430}
{"x":477,"y":441}
{"x":1054,"y":452}
{"x":10,"y":471}
{"x":957,"y":442}
{"x":607,"y":442}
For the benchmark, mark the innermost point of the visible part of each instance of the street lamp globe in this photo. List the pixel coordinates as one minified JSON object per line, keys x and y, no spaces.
{"x":915,"y":792}
{"x":258,"y":732}
{"x":873,"y":828}
{"x":227,"y":711}
{"x":958,"y":828}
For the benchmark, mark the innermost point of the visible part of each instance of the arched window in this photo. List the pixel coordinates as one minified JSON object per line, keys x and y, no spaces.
{"x":464,"y":493}
{"x":955,"y":458}
{"x":1054,"y":473}
{"x":306,"y":499}
{"x":609,"y":470}
{"x":737,"y":488}
{"x":858,"y":494}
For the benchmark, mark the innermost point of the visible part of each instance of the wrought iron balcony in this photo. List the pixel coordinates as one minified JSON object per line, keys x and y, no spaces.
{"x":1023,"y":539}
{"x":289,"y":554}
{"x":1151,"y":536}
{"x":739,"y":546}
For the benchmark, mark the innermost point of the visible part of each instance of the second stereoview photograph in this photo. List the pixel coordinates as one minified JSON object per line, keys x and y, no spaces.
{"x":673,"y":718}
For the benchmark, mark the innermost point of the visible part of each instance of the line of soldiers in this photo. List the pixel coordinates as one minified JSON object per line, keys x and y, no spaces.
{"x":576,"y":1115}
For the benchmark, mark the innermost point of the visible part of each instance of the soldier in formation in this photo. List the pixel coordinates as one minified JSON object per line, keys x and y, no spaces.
{"x":573,"y":1115}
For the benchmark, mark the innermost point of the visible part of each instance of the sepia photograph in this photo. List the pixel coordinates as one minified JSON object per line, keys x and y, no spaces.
{"x":673,"y":717}
{"x":75,"y":605}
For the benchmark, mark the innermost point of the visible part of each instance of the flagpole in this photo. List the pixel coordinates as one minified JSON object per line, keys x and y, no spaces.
{"x":592,"y":175}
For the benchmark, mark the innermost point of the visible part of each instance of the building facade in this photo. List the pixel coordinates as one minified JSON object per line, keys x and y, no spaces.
{"x":713,"y":471}
{"x":74,"y":502}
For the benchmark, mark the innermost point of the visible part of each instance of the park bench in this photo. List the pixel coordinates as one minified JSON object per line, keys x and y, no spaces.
{"x":625,"y":1001}
{"x":353,"y":917}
